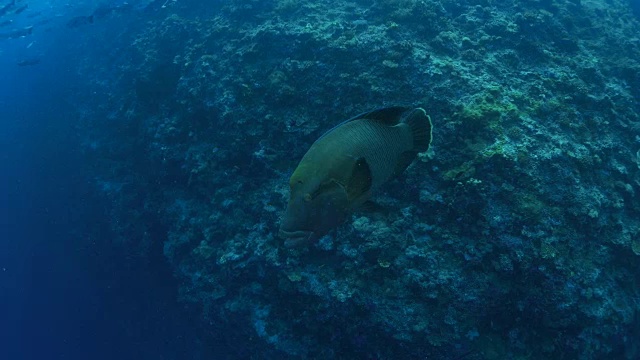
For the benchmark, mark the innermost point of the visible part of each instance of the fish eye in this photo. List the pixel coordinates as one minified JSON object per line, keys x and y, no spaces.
{"x":307,"y":197}
{"x":294,"y":183}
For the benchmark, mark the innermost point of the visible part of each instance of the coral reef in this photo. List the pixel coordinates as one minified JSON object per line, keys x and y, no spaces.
{"x":516,"y":236}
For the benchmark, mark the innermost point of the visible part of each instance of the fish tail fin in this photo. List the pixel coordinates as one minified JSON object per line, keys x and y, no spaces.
{"x":420,"y":124}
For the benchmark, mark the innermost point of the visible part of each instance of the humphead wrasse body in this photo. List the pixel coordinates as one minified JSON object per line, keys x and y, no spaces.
{"x":346,"y":165}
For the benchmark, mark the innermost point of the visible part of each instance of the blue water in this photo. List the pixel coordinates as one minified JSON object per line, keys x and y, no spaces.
{"x":65,"y":293}
{"x":67,"y":290}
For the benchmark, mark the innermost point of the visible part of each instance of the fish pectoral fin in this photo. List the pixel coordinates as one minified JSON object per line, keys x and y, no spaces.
{"x":360,"y":181}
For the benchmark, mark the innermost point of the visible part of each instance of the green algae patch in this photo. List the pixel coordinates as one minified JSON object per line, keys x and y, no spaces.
{"x":487,"y":110}
{"x":384,"y":263}
{"x":464,"y":171}
{"x":294,"y":277}
{"x":635,"y":246}
{"x":547,"y":250}
{"x":484,"y":118}
{"x":204,"y":250}
{"x":530,"y":206}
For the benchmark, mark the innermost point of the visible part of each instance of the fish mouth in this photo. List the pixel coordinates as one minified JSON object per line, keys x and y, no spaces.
{"x":295,"y":238}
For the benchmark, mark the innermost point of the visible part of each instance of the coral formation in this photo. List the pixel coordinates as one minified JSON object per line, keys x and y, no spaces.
{"x":516,"y":236}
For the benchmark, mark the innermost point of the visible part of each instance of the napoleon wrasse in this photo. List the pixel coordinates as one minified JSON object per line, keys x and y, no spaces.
{"x":346,"y":165}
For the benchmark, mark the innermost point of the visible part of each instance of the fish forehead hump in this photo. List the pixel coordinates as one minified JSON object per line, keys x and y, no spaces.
{"x":328,"y":157}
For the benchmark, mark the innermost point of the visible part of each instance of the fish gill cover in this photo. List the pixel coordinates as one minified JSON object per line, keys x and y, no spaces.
{"x":516,"y":236}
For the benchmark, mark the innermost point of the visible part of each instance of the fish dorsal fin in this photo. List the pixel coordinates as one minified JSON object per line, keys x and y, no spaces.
{"x":388,"y":116}
{"x":360,"y":181}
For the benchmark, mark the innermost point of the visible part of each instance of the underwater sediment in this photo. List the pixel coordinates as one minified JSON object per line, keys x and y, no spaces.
{"x":516,"y":236}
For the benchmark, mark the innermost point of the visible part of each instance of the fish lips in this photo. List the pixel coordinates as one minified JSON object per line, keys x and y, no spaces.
{"x":293,"y":239}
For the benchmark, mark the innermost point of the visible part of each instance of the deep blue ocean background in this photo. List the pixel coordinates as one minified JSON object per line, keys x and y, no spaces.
{"x":213,"y":283}
{"x":65,"y":294}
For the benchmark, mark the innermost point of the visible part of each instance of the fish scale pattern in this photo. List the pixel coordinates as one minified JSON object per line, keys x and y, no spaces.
{"x":379,"y":144}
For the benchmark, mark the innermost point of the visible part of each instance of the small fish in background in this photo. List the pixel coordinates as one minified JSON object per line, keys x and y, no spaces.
{"x":80,"y":21}
{"x":30,"y":44}
{"x":42,"y":22}
{"x":21,"y":9}
{"x":34,"y":14}
{"x":28,"y":62}
{"x":6,"y":8}
{"x":105,"y":10}
{"x":6,"y":23}
{"x":346,"y":165}
{"x":169,"y":2}
{"x":155,"y":5}
{"x":17,"y":33}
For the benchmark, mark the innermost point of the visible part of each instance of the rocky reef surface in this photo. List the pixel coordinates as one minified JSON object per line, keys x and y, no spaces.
{"x":516,"y":236}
